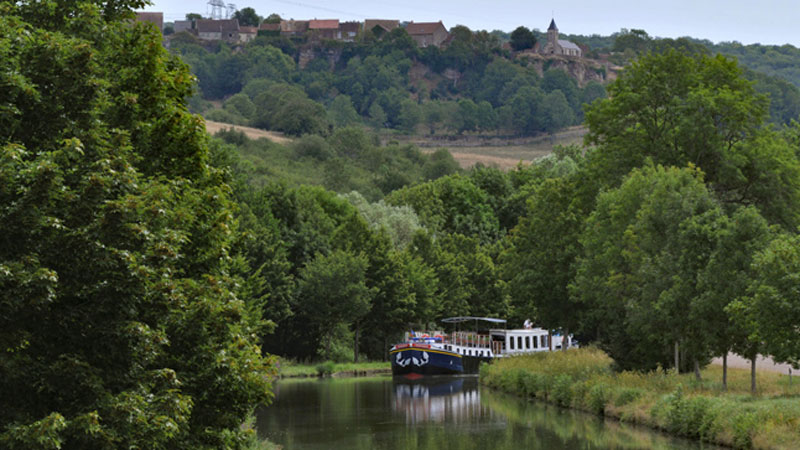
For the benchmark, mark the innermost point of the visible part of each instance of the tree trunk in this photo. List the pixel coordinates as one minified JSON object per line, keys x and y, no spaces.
{"x":328,"y":348}
{"x":677,"y":358}
{"x":725,"y":371}
{"x":550,"y":340}
{"x":385,"y":348}
{"x":355,"y":348}
{"x":697,"y":370}
{"x":753,"y":374}
{"x":565,"y":340}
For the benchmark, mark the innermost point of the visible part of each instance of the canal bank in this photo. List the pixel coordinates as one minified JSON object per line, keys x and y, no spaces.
{"x":678,"y":404}
{"x":290,"y":369}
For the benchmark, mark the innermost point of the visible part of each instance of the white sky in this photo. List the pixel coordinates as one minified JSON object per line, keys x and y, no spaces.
{"x":764,"y":21}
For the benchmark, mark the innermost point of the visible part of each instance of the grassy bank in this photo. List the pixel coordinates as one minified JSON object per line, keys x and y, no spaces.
{"x":289,"y":369}
{"x":678,"y":404}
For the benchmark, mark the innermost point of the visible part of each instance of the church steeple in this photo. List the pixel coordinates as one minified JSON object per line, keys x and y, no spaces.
{"x":552,"y":25}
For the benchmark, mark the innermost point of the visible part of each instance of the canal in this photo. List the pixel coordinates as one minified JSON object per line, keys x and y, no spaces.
{"x":436,"y":414}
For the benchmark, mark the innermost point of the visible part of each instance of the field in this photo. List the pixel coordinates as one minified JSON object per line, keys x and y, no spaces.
{"x":503,"y":153}
{"x":252,"y":133}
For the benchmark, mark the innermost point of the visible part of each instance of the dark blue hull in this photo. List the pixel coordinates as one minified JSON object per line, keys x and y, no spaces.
{"x":425,"y":361}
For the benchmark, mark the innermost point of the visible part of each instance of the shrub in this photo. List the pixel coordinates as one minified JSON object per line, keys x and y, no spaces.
{"x":599,"y":395}
{"x":627,"y":395}
{"x":326,"y":368}
{"x":562,"y":390}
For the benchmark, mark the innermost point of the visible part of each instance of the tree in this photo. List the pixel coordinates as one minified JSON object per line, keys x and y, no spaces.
{"x":123,"y":323}
{"x":468,"y":115}
{"x":193,"y":16}
{"x":341,"y":112}
{"x":273,"y":18}
{"x":332,"y":291}
{"x":541,"y":260}
{"x":677,"y":109}
{"x":636,"y":40}
{"x":644,"y":246}
{"x":772,"y":304}
{"x":724,"y":282}
{"x":247,"y":17}
{"x":556,"y":112}
{"x":522,"y":39}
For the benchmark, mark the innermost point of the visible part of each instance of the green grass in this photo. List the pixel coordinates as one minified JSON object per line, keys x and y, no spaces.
{"x":289,"y":369}
{"x":677,"y":403}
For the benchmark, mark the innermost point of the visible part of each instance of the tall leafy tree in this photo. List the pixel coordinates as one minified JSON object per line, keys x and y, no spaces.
{"x":122,"y":320}
{"x":540,"y":262}
{"x":247,"y":17}
{"x":676,"y":109}
{"x":332,"y":291}
{"x":522,"y":38}
{"x":724,"y":282}
{"x":644,"y":246}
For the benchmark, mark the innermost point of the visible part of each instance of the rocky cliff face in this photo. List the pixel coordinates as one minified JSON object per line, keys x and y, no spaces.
{"x":583,"y":70}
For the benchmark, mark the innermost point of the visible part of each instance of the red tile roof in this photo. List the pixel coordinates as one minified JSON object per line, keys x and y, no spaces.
{"x":328,"y":24}
{"x":387,"y":25}
{"x":424,"y":28}
{"x":270,"y":26}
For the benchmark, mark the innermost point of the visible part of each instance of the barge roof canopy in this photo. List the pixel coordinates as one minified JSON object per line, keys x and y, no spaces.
{"x":460,"y":319}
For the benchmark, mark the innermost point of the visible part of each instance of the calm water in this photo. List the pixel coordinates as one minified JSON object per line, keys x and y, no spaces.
{"x":435,"y":414}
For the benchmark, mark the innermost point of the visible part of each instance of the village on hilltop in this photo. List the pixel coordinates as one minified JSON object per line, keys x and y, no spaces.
{"x":425,"y":34}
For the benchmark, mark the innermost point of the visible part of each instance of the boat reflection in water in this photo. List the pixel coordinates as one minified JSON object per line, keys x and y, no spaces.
{"x":451,"y":399}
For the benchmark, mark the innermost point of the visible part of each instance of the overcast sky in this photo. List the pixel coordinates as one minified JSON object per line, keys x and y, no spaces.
{"x":764,"y":21}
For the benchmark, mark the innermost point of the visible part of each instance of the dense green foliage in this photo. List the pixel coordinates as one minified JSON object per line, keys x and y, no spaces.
{"x":123,"y":318}
{"x":386,"y":82}
{"x":773,"y":68}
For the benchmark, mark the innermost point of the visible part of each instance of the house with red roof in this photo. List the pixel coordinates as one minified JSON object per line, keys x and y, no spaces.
{"x":427,"y":33}
{"x":325,"y":29}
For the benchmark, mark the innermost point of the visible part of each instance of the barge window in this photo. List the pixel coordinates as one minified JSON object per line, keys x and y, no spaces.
{"x":527,"y":342}
{"x":511,"y":343}
{"x":536,"y":342}
{"x":519,"y":342}
{"x":544,"y":341}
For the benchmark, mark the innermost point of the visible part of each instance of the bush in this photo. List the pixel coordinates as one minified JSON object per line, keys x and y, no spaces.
{"x":599,"y":395}
{"x":225,"y":116}
{"x":326,"y":368}
{"x":562,"y":390}
{"x":627,"y":395}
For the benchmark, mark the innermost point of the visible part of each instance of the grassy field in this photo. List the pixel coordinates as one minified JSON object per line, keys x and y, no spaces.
{"x":498,"y":152}
{"x":290,"y":369}
{"x":678,"y":404}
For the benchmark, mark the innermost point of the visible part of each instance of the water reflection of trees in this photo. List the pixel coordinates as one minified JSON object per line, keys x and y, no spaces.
{"x":439,"y":400}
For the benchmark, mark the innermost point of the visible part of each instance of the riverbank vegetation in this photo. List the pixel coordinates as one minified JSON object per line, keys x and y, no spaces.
{"x":290,"y":369}
{"x":677,"y":403}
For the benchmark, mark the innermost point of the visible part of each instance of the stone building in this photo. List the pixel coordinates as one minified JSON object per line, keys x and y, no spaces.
{"x":430,"y":33}
{"x":325,"y":29}
{"x":556,"y":46}
{"x":218,"y":30}
{"x":291,"y":28}
{"x":380,"y":26}
{"x":349,"y":30}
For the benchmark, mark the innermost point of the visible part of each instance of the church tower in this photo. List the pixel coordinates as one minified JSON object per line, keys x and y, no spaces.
{"x":552,"y":36}
{"x":552,"y":31}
